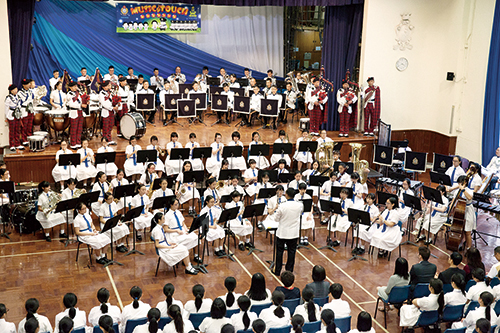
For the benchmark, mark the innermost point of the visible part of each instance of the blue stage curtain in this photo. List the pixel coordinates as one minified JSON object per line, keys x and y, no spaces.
{"x":341,"y":37}
{"x":491,"y":116}
{"x":20,"y":25}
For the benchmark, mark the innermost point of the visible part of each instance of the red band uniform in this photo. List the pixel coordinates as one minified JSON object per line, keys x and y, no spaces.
{"x":371,"y":96}
{"x":74,"y":102}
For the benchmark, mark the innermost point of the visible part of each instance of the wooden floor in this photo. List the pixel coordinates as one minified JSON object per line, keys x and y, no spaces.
{"x":32,"y":267}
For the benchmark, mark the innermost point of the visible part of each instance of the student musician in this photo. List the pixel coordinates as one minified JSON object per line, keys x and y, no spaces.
{"x":215,"y":233}
{"x":170,"y":253}
{"x":211,"y":190}
{"x":340,"y":222}
{"x":366,"y":232}
{"x":281,"y":167}
{"x":466,"y":193}
{"x":149,"y":176}
{"x":240,"y":226}
{"x":224,"y":166}
{"x":109,"y":168}
{"x":87,"y":233}
{"x":70,"y":192}
{"x":276,"y":157}
{"x":264,"y":184}
{"x":120,"y":180}
{"x":57,"y":97}
{"x":86,"y":171}
{"x":75,"y":105}
{"x":255,"y":98}
{"x":144,"y":220}
{"x":120,"y":232}
{"x":197,"y":163}
{"x":45,"y":215}
{"x":165,"y":102}
{"x":325,"y":194}
{"x":358,"y":191}
{"x":437,"y":214}
{"x":159,"y":166}
{"x":233,"y":83}
{"x":230,"y":100}
{"x":102,"y":186}
{"x":404,"y":211}
{"x":251,"y":178}
{"x":267,"y":88}
{"x":173,"y":167}
{"x":475,"y":181}
{"x":345,"y":98}
{"x":127,"y":101}
{"x":236,"y":162}
{"x":11,"y":103}
{"x":223,"y":76}
{"x":133,"y":168}
{"x":307,"y":217}
{"x":62,"y":173}
{"x":214,"y":161}
{"x":291,"y":98}
{"x":184,"y":189}
{"x":163,"y":191}
{"x":454,"y":172}
{"x":387,"y":236}
{"x":262,"y":161}
{"x":297,"y":181}
{"x":233,"y":186}
{"x":314,"y":171}
{"x":272,"y":206}
{"x":343,"y":176}
{"x":302,"y":156}
{"x":273,"y":95}
{"x":108,"y":111}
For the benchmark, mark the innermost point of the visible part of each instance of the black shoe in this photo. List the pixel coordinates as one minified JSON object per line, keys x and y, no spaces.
{"x":241,"y":246}
{"x":428,"y":242}
{"x":249,"y":245}
{"x":386,"y":253}
{"x":361,"y":250}
{"x":222,"y":252}
{"x":260,"y":226}
{"x":63,"y":235}
{"x":138,"y":237}
{"x":335,"y":243}
{"x":197,"y":259}
{"x":421,"y":238}
{"x":380,"y":254}
{"x":101,"y":261}
{"x":122,"y":249}
{"x":48,"y":239}
{"x":324,"y":222}
{"x":355,"y":251}
{"x":191,"y":271}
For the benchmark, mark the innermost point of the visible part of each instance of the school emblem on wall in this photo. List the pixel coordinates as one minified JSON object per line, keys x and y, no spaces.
{"x":404,"y":31}
{"x":145,"y":101}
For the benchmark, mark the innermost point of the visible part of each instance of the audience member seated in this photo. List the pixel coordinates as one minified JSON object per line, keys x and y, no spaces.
{"x":319,"y":285}
{"x":199,"y":304}
{"x":135,"y":310}
{"x":276,"y":315}
{"x":5,"y":326}
{"x":308,"y":310}
{"x":258,"y":293}
{"x":217,"y":319}
{"x":454,"y":260}
{"x":244,"y":319}
{"x":473,"y":259}
{"x":230,"y":297}
{"x":259,"y":326}
{"x":457,"y":296}
{"x":340,"y":307}
{"x":424,"y":271}
{"x":163,"y":306}
{"x":291,"y":292}
{"x":328,"y":322}
{"x":485,"y":310}
{"x":79,"y":317}
{"x":151,"y":326}
{"x":31,"y":307}
{"x":297,"y":323}
{"x":179,"y":323}
{"x":483,"y":325}
{"x":398,"y":279}
{"x":496,"y":267}
{"x":364,"y":324}
{"x":480,"y":286}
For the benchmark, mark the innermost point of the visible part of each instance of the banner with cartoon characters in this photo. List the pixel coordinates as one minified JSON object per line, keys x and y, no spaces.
{"x":157,"y":18}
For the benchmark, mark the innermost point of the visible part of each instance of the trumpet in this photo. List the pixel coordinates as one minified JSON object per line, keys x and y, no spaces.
{"x":77,"y":192}
{"x":220,"y":185}
{"x":161,"y":151}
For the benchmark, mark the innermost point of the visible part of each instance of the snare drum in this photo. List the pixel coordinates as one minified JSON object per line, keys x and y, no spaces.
{"x":39,"y":114}
{"x":89,"y":121}
{"x":36,"y":142}
{"x":304,"y":124}
{"x":24,"y":218}
{"x":45,"y":137}
{"x":58,"y":120}
{"x":131,"y":124}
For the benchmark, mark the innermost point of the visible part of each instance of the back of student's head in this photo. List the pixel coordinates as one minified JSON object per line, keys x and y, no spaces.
{"x":227,"y":328}
{"x":257,"y":291}
{"x":66,"y":325}
{"x":278,"y":298}
{"x":297,"y":323}
{"x":3,"y":310}
{"x":336,"y":290}
{"x":328,"y":318}
{"x":487,"y":298}
{"x":69,"y":301}
{"x":364,"y":323}
{"x":103,"y":297}
{"x":497,"y":250}
{"x":198,"y":293}
{"x":483,"y":325}
{"x":230,"y":284}
{"x":308,"y":296}
{"x":459,"y":281}
{"x":153,"y":317}
{"x":136,"y":294}
{"x":288,"y":278}
{"x":318,"y":273}
{"x":259,"y":326}
{"x":437,"y":287}
{"x":478,"y":273}
{"x":174,"y":312}
{"x":244,"y":304}
{"x":401,"y":268}
{"x":106,"y":323}
{"x":456,"y":258}
{"x":168,"y":291}
{"x":31,"y":307}
{"x":424,"y":252}
{"x":31,"y":325}
{"x":218,"y":309}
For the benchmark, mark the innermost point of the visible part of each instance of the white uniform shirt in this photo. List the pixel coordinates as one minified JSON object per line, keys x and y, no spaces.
{"x":340,"y":307}
{"x":494,"y":270}
{"x":11,"y":102}
{"x":74,"y":102}
{"x":288,"y":215}
{"x":454,"y":173}
{"x":43,"y":324}
{"x":52,"y":83}
{"x":206,"y":305}
{"x":211,"y":325}
{"x":7,"y":327}
{"x":106,"y":103}
{"x":79,"y":321}
{"x":59,"y":98}
{"x":456,"y":297}
{"x":130,"y":313}
{"x":476,"y":290}
{"x":96,"y":313}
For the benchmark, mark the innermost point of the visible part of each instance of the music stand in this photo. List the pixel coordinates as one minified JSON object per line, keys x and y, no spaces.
{"x":335,"y":191}
{"x":89,"y":198}
{"x":130,"y":216}
{"x":69,"y":160}
{"x":286,"y":177}
{"x":259,"y":150}
{"x":184,"y":88}
{"x":145,"y":102}
{"x":162,"y":203}
{"x":229,"y":174}
{"x":232,"y":152}
{"x":269,"y":108}
{"x":349,"y":167}
{"x":414,"y":203}
{"x":358,"y":217}
{"x":171,"y":106}
{"x":433,"y":195}
{"x":273,"y":176}
{"x":415,"y":161}
{"x":241,"y":105}
{"x":147,"y":156}
{"x":260,"y":83}
{"x":202,"y":152}
{"x":479,"y":197}
{"x":9,"y":188}
{"x":440,"y":178}
{"x":124,"y":191}
{"x":201,"y":222}
{"x":441,"y":163}
{"x":226,"y":216}
{"x":219,"y":104}
{"x":282,"y":148}
{"x":226,"y":198}
{"x":194,"y":177}
{"x":308,"y":147}
{"x":200,"y":100}
{"x":238,"y":91}
{"x":156,"y":184}
{"x":307,"y":203}
{"x":383,"y":155}
{"x":186,"y":108}
{"x":382,"y":198}
{"x":334,"y":208}
{"x":213,"y":81}
{"x":132,"y":83}
{"x":179,"y":154}
{"x":252,"y":212}
{"x":105,"y":158}
{"x":110,"y":224}
{"x":66,"y":205}
{"x":318,"y":180}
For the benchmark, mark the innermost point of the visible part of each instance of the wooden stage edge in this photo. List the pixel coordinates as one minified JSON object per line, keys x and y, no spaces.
{"x":37,"y":166}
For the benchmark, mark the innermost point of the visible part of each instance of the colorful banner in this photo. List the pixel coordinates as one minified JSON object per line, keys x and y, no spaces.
{"x":157,"y":18}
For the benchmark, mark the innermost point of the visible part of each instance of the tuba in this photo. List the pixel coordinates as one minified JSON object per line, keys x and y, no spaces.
{"x":293,"y":81}
{"x":39,"y":92}
{"x":360,"y":166}
{"x":324,"y":155}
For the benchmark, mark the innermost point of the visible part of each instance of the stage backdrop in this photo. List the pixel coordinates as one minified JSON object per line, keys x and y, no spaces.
{"x":74,"y":34}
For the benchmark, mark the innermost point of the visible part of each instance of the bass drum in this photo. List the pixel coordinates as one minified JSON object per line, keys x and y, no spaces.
{"x":133,"y":124}
{"x":24,"y":219}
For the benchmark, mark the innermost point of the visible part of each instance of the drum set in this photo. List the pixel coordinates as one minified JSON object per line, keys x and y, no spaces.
{"x":21,"y":210}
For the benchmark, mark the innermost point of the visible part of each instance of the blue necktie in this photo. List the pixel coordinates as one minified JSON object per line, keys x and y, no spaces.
{"x":368,"y":209}
{"x":239,"y":217}
{"x":470,"y":183}
{"x":191,"y":154}
{"x":304,"y":152}
{"x":178,"y":221}
{"x":297,"y":185}
{"x":142,"y":204}
{"x":60,"y":99}
{"x":133,"y":157}
{"x":102,"y":189}
{"x":211,"y":217}
{"x":89,"y":228}
{"x":72,"y":193}
{"x":254,"y":184}
{"x":343,"y":206}
{"x":434,"y":212}
{"x":218,"y":153}
{"x":119,"y":183}
{"x":353,"y":194}
{"x":403,"y":204}
{"x":453,"y":176}
{"x":213,"y":194}
{"x":164,"y":236}
{"x":110,"y":212}
{"x":385,"y":226}
{"x":151,"y":178}
{"x":163,"y":193}
{"x":86,"y":162}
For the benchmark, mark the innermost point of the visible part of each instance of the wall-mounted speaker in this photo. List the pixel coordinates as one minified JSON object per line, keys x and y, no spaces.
{"x":450,"y":76}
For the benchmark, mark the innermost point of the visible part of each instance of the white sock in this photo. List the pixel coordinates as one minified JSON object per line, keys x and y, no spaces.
{"x":121,"y":244}
{"x":62,"y":231}
{"x":247,"y":240}
{"x":47,"y":234}
{"x":190,"y":266}
{"x":241,"y":242}
{"x":362,"y":246}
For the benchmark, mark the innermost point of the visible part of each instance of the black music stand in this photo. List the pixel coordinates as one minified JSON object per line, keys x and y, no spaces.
{"x":358,"y":217}
{"x":89,"y":198}
{"x":66,"y":205}
{"x":202,"y":152}
{"x":156,"y":184}
{"x":414,"y":203}
{"x":105,"y":158}
{"x":282,"y":148}
{"x":194,"y":177}
{"x":229,"y":174}
{"x":201,"y":222}
{"x":162,"y":203}
{"x":415,"y":161}
{"x":130,"y":216}
{"x":286,"y":177}
{"x":441,"y":162}
{"x":147,"y":156}
{"x":318,"y":180}
{"x":220,"y":104}
{"x":382,"y":198}
{"x":259,"y":150}
{"x":349,"y":167}
{"x":241,"y":105}
{"x":440,"y":178}
{"x":383,"y":156}
{"x":7,"y":187}
{"x":479,"y":197}
{"x":335,"y":191}
{"x":110,"y":224}
{"x":226,"y":216}
{"x":200,"y":100}
{"x":232,"y":152}
{"x":269,"y":108}
{"x":179,"y":154}
{"x":252,"y":212}
{"x":213,"y":81}
{"x":69,"y":160}
{"x":123,"y":192}
{"x":432,"y":195}
{"x":334,"y":208}
{"x":307,"y":208}
{"x":184,"y":89}
{"x":308,"y":147}
{"x":273,"y":176}
{"x":171,"y":106}
{"x":186,"y":108}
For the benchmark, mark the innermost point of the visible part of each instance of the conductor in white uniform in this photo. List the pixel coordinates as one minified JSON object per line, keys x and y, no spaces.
{"x":288,"y":217}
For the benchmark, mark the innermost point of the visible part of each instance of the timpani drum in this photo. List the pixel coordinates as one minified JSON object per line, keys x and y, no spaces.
{"x":58,"y":120}
{"x":36,"y":143}
{"x":304,"y":124}
{"x":45,"y":136}
{"x":131,"y":124}
{"x":39,"y":114}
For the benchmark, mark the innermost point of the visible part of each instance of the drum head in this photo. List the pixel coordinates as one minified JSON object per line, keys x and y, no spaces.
{"x":132,"y":124}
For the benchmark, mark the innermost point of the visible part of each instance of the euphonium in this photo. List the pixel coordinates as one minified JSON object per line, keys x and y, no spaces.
{"x":324,"y":154}
{"x":161,"y":151}
{"x":54,"y":199}
{"x":360,"y":166}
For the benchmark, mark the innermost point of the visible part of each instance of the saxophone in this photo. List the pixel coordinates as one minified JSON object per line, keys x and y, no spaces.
{"x":54,"y":199}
